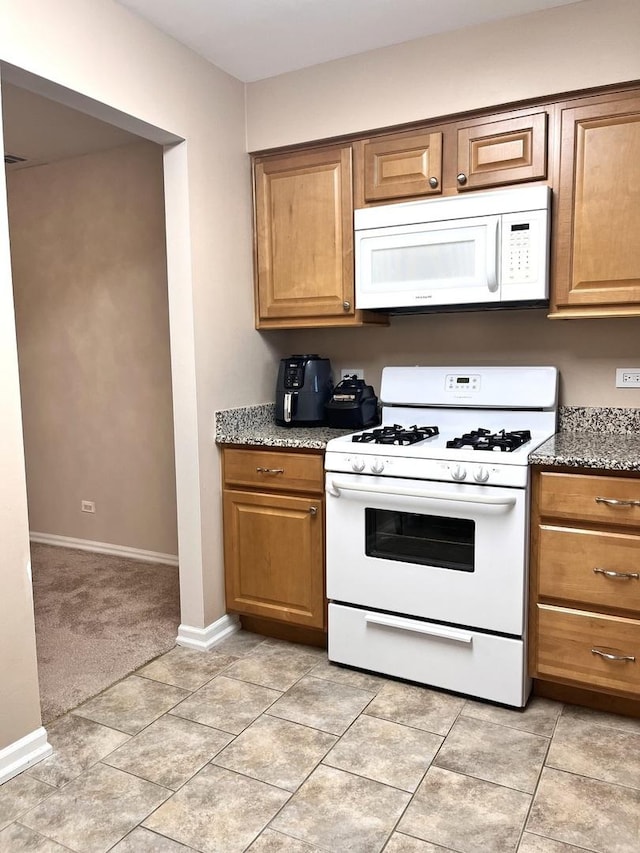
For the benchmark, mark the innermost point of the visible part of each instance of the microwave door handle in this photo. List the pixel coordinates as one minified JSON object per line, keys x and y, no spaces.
{"x":492,"y":253}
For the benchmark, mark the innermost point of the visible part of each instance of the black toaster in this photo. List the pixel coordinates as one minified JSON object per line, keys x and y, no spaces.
{"x":352,"y":405}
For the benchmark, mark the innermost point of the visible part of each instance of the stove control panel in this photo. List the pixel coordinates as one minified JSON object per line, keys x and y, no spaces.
{"x":462,"y":382}
{"x":449,"y":471}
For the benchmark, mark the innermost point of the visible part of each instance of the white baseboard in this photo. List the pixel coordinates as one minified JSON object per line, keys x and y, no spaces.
{"x":104,"y":548}
{"x":23,"y":753}
{"x":204,"y":639}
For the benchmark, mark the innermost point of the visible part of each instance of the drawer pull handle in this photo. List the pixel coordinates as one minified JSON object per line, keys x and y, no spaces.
{"x":625,"y":576}
{"x":616,"y":502}
{"x":270,"y":470}
{"x":608,"y":656}
{"x":440,"y":631}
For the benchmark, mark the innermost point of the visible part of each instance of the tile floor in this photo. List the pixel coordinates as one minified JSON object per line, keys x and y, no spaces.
{"x":264,"y":746}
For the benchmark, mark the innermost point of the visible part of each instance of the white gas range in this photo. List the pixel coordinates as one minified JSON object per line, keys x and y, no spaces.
{"x":427,"y":528}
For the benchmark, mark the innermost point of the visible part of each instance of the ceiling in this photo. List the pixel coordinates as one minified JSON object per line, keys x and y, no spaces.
{"x":255,"y":39}
{"x":42,"y":131}
{"x":252,"y":40}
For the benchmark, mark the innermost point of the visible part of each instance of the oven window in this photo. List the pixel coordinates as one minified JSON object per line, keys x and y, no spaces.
{"x":429,"y":540}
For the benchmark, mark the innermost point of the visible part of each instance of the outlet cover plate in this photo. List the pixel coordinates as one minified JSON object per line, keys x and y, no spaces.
{"x":628,"y":377}
{"x":351,"y":371}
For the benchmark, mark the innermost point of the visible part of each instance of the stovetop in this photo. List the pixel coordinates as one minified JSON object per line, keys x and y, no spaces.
{"x":469,"y":434}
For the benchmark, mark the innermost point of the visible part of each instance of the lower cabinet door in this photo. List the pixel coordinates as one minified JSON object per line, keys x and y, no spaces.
{"x":274,"y":556}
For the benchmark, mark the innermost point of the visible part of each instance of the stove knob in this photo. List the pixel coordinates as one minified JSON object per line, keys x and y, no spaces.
{"x":377,"y":466}
{"x":357,"y":464}
{"x":459,"y":473}
{"x":481,"y":475}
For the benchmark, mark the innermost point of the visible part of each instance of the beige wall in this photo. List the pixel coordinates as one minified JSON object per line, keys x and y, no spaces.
{"x":18,"y":675}
{"x":585,"y":351}
{"x":591,"y":43}
{"x":105,"y":53}
{"x":90,"y":288}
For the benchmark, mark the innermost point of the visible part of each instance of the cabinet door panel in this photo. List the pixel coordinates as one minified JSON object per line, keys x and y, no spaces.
{"x":274,"y":556}
{"x":502,"y":152}
{"x":304,"y":234}
{"x":403,"y":167}
{"x":598,"y":216}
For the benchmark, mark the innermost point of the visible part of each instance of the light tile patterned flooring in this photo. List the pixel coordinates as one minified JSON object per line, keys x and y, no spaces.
{"x":264,"y":746}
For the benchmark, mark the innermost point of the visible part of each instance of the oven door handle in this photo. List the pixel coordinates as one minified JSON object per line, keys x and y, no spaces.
{"x":335,"y":487}
{"x":440,"y":631}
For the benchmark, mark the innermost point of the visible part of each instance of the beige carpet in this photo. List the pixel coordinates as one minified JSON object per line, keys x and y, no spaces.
{"x":97,"y":619}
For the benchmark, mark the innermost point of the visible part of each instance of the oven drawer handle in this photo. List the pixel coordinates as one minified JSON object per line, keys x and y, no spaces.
{"x":608,"y":656}
{"x":616,"y":502}
{"x":609,"y":573}
{"x":418,"y":627}
{"x":334,"y":488}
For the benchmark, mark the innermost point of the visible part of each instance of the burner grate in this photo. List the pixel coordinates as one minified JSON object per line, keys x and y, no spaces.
{"x":484,"y":439}
{"x":396,"y":434}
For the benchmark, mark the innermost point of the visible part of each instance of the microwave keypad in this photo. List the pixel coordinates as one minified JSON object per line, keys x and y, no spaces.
{"x":519,"y":258}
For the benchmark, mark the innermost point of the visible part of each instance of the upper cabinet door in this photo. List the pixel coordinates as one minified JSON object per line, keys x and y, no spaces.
{"x":502,"y":152}
{"x":402,"y":167}
{"x":597,"y":259}
{"x":304,"y":237}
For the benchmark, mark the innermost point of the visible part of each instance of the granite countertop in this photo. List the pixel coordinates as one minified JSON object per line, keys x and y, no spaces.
{"x":606,"y":439}
{"x":255,"y":425}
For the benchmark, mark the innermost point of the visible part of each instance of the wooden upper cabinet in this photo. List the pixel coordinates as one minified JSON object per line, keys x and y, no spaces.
{"x":507,"y":151}
{"x":304,"y":239}
{"x":597,"y":259}
{"x":402,"y":167}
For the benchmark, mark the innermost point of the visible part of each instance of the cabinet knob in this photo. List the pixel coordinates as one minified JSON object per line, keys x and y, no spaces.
{"x":433,"y":182}
{"x":346,"y":305}
{"x":313,"y":510}
{"x":462,"y":178}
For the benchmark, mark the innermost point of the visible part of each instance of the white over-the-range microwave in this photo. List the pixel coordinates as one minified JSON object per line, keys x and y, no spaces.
{"x":479,"y":250}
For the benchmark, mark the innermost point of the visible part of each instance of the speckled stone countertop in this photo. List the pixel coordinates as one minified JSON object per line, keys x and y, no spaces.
{"x":607,"y":439}
{"x":255,"y":425}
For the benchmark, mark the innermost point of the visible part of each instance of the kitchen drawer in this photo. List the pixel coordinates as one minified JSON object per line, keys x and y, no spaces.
{"x":565,"y":643}
{"x":269,"y":470}
{"x":590,"y":498}
{"x":569,"y":559}
{"x":471,"y":662}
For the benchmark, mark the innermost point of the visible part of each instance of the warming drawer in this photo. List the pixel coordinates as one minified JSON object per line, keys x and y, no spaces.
{"x":469,"y":662}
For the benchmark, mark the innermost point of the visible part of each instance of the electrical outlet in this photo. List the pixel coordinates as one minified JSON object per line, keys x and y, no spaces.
{"x":628,"y":377}
{"x":87,"y":506}
{"x":351,"y":371}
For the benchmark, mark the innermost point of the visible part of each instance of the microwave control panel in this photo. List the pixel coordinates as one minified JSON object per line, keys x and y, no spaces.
{"x":524,"y":247}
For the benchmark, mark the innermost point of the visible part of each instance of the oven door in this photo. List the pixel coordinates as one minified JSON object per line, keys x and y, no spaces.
{"x":450,"y":552}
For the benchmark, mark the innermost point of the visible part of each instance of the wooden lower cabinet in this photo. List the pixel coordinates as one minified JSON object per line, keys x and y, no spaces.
{"x":274,"y":539}
{"x":584,"y":625}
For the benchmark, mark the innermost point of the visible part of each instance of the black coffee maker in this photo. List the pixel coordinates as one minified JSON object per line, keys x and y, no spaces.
{"x":304,"y":386}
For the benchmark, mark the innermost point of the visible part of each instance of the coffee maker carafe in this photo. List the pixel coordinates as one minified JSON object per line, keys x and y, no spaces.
{"x":304,"y":386}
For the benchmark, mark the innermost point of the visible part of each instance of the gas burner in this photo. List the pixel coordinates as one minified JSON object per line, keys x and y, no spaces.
{"x":396,"y":434}
{"x":484,"y":439}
